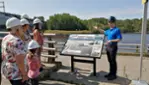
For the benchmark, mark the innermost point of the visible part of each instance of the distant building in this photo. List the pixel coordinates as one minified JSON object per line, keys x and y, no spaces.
{"x":4,"y":16}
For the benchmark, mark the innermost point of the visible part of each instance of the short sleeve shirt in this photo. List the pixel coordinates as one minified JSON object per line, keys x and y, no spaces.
{"x":11,"y":46}
{"x":38,"y":37}
{"x":113,"y":33}
{"x":34,"y":65}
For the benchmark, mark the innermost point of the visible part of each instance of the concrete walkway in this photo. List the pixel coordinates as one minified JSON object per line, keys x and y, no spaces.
{"x":47,"y":82}
{"x":128,"y":69}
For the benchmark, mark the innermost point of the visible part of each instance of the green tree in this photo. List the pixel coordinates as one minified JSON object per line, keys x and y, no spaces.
{"x":65,"y":21}
{"x":41,"y":18}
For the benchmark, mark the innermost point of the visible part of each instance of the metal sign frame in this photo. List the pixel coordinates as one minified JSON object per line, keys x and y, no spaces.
{"x":73,"y":59}
{"x":144,"y":1}
{"x":83,"y":55}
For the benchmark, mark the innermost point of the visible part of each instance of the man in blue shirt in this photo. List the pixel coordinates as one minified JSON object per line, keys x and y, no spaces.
{"x":113,"y":37}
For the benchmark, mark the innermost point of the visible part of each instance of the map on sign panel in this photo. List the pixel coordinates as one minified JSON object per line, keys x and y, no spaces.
{"x":88,"y":45}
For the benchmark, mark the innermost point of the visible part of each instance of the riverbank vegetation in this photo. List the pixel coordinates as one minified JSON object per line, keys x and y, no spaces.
{"x":67,"y":32}
{"x":67,"y":22}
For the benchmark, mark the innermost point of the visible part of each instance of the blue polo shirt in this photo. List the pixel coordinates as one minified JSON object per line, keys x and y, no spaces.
{"x":113,"y":33}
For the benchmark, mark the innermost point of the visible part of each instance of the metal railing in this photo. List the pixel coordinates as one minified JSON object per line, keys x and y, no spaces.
{"x":55,"y":46}
{"x":135,"y":48}
{"x":50,"y":55}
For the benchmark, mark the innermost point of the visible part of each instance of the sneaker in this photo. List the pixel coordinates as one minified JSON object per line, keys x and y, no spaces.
{"x":112,"y":77}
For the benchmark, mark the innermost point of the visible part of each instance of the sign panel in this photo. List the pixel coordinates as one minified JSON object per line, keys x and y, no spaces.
{"x":85,"y":45}
{"x":144,"y":1}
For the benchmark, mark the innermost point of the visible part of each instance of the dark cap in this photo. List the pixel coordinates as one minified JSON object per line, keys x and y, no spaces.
{"x":112,"y":19}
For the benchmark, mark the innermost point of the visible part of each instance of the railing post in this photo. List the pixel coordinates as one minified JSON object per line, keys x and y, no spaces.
{"x":147,"y":48}
{"x":50,"y":45}
{"x":50,"y":52}
{"x":137,"y":49}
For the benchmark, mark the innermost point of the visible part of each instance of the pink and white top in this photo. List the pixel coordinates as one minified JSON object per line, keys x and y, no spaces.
{"x":33,"y":66}
{"x":11,"y":47}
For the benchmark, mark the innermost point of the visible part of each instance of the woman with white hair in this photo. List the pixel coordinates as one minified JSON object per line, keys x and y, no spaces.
{"x":13,"y":54}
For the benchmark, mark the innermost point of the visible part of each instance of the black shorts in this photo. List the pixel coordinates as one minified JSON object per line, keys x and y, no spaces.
{"x":17,"y":82}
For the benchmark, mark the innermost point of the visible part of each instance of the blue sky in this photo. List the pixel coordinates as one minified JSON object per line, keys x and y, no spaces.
{"x":83,"y":9}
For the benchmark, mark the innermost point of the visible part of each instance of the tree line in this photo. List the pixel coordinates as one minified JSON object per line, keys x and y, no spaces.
{"x":69,"y":22}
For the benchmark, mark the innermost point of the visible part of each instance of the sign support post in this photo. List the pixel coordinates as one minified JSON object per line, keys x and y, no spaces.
{"x":143,"y":40}
{"x":86,"y":46}
{"x":83,"y":61}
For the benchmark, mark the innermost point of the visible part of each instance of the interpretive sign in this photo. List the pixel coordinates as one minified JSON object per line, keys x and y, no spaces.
{"x":87,"y":45}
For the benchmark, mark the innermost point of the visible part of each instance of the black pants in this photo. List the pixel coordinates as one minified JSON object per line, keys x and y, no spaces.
{"x":33,"y":81}
{"x":17,"y":82}
{"x":111,"y":54}
{"x":41,"y":69}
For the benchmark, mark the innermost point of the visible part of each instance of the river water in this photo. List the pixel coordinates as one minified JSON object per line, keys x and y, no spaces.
{"x":127,"y":38}
{"x":133,"y":38}
{"x":130,"y":38}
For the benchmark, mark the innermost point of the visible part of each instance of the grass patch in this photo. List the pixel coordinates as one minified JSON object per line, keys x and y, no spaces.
{"x":68,"y":32}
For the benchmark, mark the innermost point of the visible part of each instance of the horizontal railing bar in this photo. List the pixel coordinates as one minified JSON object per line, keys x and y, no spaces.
{"x":50,"y":42}
{"x":45,"y":34}
{"x":47,"y":48}
{"x":51,"y":56}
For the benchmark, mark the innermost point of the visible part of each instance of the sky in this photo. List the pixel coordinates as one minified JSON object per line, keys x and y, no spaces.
{"x":84,"y":9}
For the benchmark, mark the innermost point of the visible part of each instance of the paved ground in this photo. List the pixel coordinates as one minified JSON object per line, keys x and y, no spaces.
{"x":128,"y":69}
{"x":48,"y":82}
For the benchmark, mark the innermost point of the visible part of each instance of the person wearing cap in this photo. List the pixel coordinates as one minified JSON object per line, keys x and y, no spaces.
{"x":26,"y":36}
{"x":25,"y":16}
{"x":33,"y":62}
{"x":13,"y":54}
{"x":37,"y":35}
{"x":113,"y":37}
